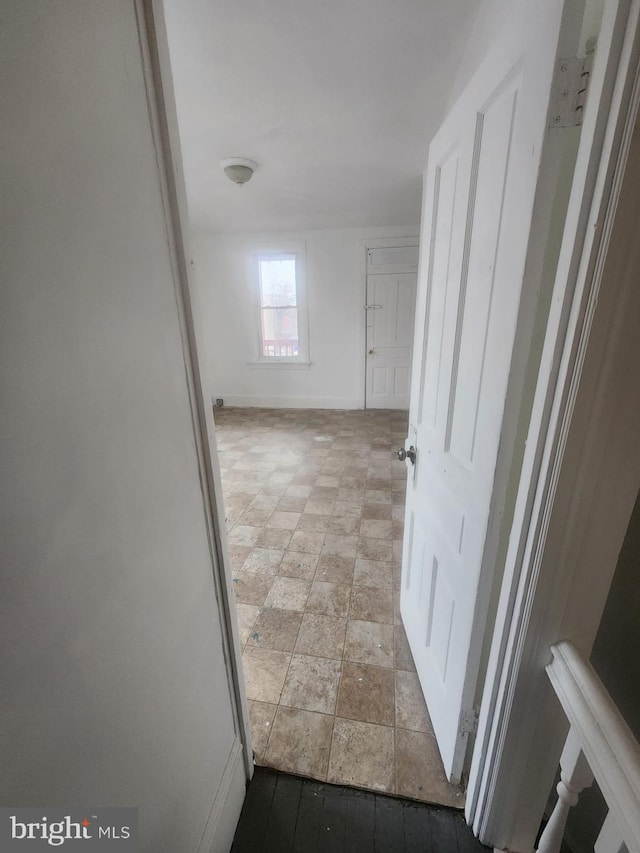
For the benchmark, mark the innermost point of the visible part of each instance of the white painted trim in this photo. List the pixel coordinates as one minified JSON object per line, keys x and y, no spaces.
{"x":342,"y":403}
{"x":164,"y":128}
{"x":227,"y":804}
{"x":520,"y":731}
{"x":278,"y":364}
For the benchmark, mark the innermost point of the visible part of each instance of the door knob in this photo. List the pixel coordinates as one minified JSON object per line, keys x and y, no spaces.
{"x":371,"y":352}
{"x":407,"y":454}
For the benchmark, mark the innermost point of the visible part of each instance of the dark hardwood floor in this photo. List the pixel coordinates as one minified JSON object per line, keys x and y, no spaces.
{"x":285,"y":813}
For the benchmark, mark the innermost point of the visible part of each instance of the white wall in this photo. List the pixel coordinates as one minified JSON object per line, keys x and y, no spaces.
{"x":335,"y":280}
{"x":113,"y":679}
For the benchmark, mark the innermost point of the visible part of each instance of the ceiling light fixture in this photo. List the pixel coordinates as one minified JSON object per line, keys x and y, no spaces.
{"x":238,"y":169}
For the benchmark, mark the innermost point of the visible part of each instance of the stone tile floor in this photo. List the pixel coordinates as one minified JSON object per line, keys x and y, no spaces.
{"x":315,"y":508}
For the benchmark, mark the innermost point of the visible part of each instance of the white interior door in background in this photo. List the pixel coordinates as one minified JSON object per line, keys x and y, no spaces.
{"x":484,"y":189}
{"x":390,"y":313}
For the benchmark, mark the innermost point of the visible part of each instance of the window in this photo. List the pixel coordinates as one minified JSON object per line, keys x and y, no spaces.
{"x":282,"y":318}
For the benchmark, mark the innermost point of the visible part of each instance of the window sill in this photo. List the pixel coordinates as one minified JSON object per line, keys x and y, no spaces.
{"x":278,"y":364}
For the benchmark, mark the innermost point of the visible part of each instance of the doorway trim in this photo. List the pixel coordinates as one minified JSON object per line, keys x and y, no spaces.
{"x":521,"y":730}
{"x":164,"y":128}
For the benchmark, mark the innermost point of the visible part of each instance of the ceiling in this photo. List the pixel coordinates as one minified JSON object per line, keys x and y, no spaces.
{"x":336,"y":100}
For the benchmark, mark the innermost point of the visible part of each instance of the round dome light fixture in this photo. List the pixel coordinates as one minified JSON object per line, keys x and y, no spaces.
{"x":238,"y":169}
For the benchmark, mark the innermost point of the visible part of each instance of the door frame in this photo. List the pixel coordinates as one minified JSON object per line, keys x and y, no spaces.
{"x":556,"y":576}
{"x":164,"y":124}
{"x":379,"y":243}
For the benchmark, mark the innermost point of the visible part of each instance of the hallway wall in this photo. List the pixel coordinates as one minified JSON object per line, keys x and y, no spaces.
{"x":114,"y":688}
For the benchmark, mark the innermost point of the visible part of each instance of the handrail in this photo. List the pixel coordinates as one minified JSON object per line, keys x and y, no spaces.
{"x":605,"y":739}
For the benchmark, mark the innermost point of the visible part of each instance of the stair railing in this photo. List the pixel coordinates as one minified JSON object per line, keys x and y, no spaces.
{"x":599,"y":745}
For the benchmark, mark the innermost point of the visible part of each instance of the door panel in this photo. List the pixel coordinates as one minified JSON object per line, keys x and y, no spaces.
{"x":480,"y":186}
{"x":390,"y":319}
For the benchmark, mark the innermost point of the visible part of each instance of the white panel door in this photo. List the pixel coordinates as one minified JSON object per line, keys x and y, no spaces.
{"x":483,"y":171}
{"x":390,"y":319}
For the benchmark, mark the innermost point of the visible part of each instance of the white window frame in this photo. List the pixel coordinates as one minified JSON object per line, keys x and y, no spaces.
{"x":300,"y":361}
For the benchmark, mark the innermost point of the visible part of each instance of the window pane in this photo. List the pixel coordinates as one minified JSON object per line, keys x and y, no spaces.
{"x":277,"y":281}
{"x":279,"y":332}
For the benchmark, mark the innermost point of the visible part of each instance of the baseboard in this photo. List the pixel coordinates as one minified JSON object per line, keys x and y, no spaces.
{"x":349,"y":403}
{"x":227,"y":804}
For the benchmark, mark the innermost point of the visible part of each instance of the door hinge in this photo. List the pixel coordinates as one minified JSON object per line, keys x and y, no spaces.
{"x":469,"y":721}
{"x":570,"y":90}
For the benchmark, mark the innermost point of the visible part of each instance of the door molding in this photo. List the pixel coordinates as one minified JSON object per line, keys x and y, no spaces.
{"x":164,"y":128}
{"x":557,"y":575}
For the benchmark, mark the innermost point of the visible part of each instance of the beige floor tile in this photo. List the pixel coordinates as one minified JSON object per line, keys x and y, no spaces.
{"x":328,"y":480}
{"x":374,"y":549}
{"x":288,"y":593}
{"x":247,"y":615}
{"x":329,"y":598}
{"x":272,"y":537}
{"x":397,"y":616}
{"x":335,"y":570}
{"x":264,"y":674}
{"x":369,"y":642}
{"x":378,"y":483}
{"x":254,"y":517}
{"x":348,"y":508}
{"x":366,"y":693}
{"x":351,"y":481}
{"x":298,"y":490}
{"x":344,"y":525}
{"x":382,"y":512}
{"x":284,"y":520}
{"x":263,"y":561}
{"x":275,"y":629}
{"x":311,"y":523}
{"x":311,"y":684}
{"x":261,"y":715}
{"x":376,"y":573}
{"x":375,"y":528}
{"x":362,"y":754}
{"x":411,"y":709}
{"x":419,"y":772}
{"x":321,"y":635}
{"x":295,"y":564}
{"x":336,"y":545}
{"x":314,"y":506}
{"x":377,"y":496}
{"x":372,"y":604}
{"x":325,"y":494}
{"x":244,"y":534}
{"x":267,"y":502}
{"x":403,"y":659}
{"x":308,"y":543}
{"x":238,"y":554}
{"x":300,"y":742}
{"x":355,"y":496}
{"x":288,"y":503}
{"x":252,"y":588}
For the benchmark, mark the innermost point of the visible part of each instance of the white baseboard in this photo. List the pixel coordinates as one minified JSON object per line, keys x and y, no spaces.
{"x":227,"y":804}
{"x":295,"y":402}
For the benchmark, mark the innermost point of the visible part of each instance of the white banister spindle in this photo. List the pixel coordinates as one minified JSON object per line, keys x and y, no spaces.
{"x":599,"y":737}
{"x":575,"y":775}
{"x":610,"y":839}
